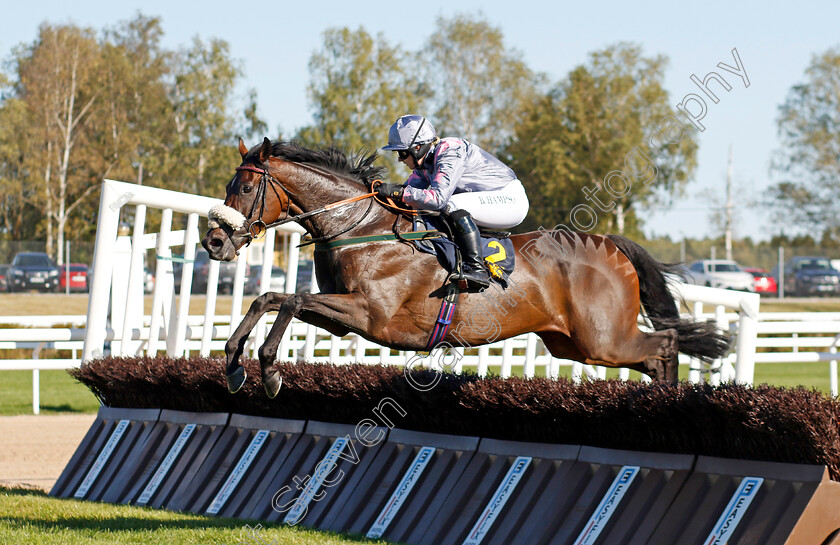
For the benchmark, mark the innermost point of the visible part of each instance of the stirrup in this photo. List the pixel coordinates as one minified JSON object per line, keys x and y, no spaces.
{"x":472,"y":280}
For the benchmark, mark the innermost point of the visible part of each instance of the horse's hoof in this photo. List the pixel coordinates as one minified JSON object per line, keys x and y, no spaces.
{"x":236,"y":380}
{"x":272,"y":383}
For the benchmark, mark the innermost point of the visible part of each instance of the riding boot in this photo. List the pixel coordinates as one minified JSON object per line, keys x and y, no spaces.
{"x":469,"y":242}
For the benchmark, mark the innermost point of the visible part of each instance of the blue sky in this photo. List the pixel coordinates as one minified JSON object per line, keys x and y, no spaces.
{"x":775,"y":41}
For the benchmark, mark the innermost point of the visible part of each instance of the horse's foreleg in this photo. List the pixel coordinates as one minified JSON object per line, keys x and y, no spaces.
{"x":336,"y":313}
{"x":235,"y":345}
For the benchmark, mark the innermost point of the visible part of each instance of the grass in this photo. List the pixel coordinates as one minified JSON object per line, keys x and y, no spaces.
{"x":60,"y":393}
{"x":30,"y":517}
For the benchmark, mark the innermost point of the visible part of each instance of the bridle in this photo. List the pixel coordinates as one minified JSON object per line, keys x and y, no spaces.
{"x":256,"y":229}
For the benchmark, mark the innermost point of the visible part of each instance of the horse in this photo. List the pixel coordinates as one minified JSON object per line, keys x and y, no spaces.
{"x":580,"y":293}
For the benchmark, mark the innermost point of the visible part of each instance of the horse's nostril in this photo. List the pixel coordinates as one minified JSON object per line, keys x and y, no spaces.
{"x":215,"y":243}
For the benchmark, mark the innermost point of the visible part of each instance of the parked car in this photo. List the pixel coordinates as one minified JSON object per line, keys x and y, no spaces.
{"x":304,"y":276}
{"x":78,"y":277}
{"x":201,"y":269}
{"x":4,"y":278}
{"x":720,"y":273}
{"x":809,"y":275}
{"x":148,"y":281}
{"x":33,"y":270}
{"x":764,"y":283}
{"x":277,"y":282}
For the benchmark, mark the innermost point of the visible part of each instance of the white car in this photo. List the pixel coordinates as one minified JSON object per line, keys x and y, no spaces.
{"x":720,"y":273}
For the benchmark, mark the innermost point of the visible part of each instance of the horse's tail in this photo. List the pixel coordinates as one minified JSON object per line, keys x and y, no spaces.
{"x":701,"y":340}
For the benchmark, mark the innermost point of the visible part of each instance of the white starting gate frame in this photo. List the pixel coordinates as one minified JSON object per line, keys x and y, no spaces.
{"x":115,"y":310}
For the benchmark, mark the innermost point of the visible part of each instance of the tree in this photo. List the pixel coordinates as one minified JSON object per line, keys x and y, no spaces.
{"x":808,"y":162}
{"x":19,"y":189}
{"x":600,"y":142}
{"x":204,"y":80}
{"x":479,"y":86}
{"x":359,"y":86}
{"x":58,"y":81}
{"x":135,"y":128}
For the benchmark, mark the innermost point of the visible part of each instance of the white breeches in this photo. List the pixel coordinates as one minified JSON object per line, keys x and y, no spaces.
{"x":500,"y":209}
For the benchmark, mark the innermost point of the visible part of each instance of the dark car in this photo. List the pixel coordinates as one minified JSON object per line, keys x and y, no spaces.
{"x":304,"y":276}
{"x":77,"y":279}
{"x":277,"y":281}
{"x":4,"y":278}
{"x":201,"y":269}
{"x":808,"y":275}
{"x":33,"y":270}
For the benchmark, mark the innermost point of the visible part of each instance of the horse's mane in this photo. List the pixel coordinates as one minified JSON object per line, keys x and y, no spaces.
{"x":358,"y":167}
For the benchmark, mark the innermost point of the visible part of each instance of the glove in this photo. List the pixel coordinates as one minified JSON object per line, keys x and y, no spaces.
{"x":390,"y":191}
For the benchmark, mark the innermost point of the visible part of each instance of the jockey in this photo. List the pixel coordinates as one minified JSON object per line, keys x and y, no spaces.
{"x":462,"y":181}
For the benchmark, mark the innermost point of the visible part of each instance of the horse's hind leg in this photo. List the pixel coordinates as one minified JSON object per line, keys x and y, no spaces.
{"x":654,"y":353}
{"x":664,"y":365}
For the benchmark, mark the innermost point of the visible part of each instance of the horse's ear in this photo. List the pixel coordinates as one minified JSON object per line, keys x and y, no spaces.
{"x":265,"y":150}
{"x":242,"y":149}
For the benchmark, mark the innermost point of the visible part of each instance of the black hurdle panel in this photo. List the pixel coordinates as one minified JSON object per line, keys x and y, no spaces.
{"x":740,"y":502}
{"x":503,"y":483}
{"x":247,"y":453}
{"x":178,"y":443}
{"x":101,"y":457}
{"x":620,"y":497}
{"x":323,"y":470}
{"x":411,"y":476}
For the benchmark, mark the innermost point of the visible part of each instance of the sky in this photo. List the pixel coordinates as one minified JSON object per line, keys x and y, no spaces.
{"x":775,"y":41}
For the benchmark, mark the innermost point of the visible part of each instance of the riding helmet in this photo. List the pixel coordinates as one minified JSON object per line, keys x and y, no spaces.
{"x":409,"y":131}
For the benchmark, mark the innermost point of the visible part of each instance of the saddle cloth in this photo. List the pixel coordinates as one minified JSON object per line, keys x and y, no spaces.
{"x":498,"y":253}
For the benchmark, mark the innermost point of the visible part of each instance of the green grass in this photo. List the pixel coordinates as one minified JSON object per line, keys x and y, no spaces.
{"x":30,"y":517}
{"x":60,"y":393}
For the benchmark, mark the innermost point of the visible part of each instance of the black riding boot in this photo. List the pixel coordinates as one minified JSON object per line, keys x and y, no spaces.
{"x":469,"y":242}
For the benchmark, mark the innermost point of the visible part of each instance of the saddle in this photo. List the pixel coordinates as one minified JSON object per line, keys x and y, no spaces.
{"x":496,"y":248}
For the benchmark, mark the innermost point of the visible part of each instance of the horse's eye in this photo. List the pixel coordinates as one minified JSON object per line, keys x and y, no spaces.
{"x":246,"y":188}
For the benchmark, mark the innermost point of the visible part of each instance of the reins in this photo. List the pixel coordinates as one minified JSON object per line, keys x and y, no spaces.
{"x":257,"y":228}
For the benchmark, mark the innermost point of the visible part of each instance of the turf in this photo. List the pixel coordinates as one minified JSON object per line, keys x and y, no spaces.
{"x":29,"y":517}
{"x":59,"y":392}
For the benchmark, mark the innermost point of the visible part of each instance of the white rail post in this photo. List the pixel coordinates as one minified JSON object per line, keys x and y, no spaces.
{"x":747,"y":333}
{"x":119,"y":288}
{"x":291,"y":287}
{"x":176,"y":344}
{"x":507,"y":358}
{"x":210,"y":308}
{"x":577,"y":372}
{"x":106,"y":237}
{"x":133,"y":316}
{"x":530,"y":356}
{"x":483,"y":360}
{"x":694,"y":364}
{"x":164,"y":280}
{"x":311,"y":333}
{"x":265,"y":283}
{"x":36,"y":391}
{"x":236,"y":292}
{"x":717,"y":366}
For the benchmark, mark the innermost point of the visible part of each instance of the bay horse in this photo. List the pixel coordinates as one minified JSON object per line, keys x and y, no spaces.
{"x":580,"y":293}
